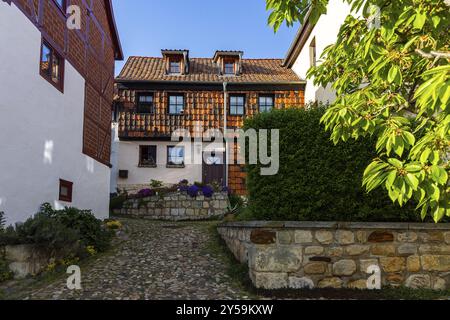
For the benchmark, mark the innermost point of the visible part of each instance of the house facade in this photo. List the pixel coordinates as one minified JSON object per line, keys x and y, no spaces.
{"x":309,"y":44}
{"x":159,"y":96}
{"x":57,"y":90}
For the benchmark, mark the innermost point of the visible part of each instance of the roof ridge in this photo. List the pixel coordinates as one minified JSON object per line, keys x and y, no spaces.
{"x":191,"y":58}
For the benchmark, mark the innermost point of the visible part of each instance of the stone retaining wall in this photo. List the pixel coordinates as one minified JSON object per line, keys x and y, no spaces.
{"x":337,"y":255}
{"x":176,"y":206}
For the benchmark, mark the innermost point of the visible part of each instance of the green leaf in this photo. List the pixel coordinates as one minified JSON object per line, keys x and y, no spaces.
{"x":419,"y":21}
{"x":439,"y":175}
{"x":396,"y":163}
{"x":412,"y":181}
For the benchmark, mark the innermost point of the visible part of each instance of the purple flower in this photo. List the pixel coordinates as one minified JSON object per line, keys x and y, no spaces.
{"x":183,"y":188}
{"x":146,"y":193}
{"x":207,"y":191}
{"x":193,"y":191}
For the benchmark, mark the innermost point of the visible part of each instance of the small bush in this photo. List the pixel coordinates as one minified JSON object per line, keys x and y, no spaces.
{"x":144,"y":193}
{"x":193,"y":191}
{"x":5,"y":273}
{"x":58,"y":229}
{"x":41,"y":230}
{"x":317,"y":180}
{"x":207,"y":191}
{"x":117,"y":202}
{"x":92,"y":231}
{"x":156,"y":184}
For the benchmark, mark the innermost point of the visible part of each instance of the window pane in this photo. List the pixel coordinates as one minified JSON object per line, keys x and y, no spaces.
{"x":148,"y":156}
{"x":64,"y":191}
{"x":176,"y":155}
{"x":46,"y":59}
{"x":174,"y":67}
{"x":55,"y":69}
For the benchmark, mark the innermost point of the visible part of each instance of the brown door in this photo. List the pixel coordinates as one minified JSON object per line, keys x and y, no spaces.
{"x":213,"y":168}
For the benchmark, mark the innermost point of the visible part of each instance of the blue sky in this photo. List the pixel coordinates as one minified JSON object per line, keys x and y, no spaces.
{"x":202,"y":26}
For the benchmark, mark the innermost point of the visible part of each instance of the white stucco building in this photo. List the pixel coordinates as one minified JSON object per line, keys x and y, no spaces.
{"x":309,"y":44}
{"x":44,"y":152}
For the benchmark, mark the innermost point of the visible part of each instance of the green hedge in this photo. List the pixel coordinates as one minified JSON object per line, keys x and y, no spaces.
{"x":317,"y":181}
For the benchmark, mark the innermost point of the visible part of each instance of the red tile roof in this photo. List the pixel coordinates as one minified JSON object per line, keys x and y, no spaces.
{"x":204,"y":70}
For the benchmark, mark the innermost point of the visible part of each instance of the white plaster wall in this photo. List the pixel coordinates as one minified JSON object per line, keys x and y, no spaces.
{"x":129,"y":160}
{"x":41,"y":130}
{"x":325,"y":32}
{"x":114,"y":157}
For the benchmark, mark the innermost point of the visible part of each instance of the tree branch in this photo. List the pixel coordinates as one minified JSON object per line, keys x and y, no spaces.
{"x":434,"y":54}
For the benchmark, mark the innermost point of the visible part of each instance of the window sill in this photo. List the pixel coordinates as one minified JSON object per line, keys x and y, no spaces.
{"x":147,"y":166}
{"x":175,"y":166}
{"x":59,"y":86}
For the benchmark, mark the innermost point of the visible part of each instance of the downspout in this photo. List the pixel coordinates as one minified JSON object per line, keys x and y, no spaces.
{"x":225,"y":114}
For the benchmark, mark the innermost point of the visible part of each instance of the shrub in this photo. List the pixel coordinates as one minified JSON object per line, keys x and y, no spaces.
{"x":146,"y":193}
{"x":193,"y":191}
{"x":5,"y":273}
{"x":156,"y":184}
{"x":58,"y":229}
{"x":117,"y":202}
{"x":92,"y":231}
{"x":207,"y":191}
{"x":41,"y":230}
{"x":316,"y":180}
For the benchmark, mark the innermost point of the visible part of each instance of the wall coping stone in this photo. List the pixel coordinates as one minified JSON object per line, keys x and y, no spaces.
{"x":335,"y":225}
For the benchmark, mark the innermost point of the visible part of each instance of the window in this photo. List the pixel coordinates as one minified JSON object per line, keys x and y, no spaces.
{"x":145,"y":103}
{"x":237,"y":104}
{"x":147,"y":156}
{"x":52,"y":66}
{"x":65,"y":190}
{"x":176,"y":104}
{"x":229,"y":68}
{"x":266,"y":103}
{"x":61,"y":4}
{"x":175,"y":156}
{"x":174,"y":67}
{"x":313,"y":53}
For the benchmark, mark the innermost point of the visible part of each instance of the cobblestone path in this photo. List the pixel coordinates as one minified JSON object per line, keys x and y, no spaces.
{"x":156,"y":260}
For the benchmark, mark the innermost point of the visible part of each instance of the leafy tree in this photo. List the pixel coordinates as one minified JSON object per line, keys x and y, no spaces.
{"x":392,"y":82}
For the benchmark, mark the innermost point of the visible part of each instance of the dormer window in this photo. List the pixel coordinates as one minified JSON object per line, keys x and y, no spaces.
{"x":229,"y":63}
{"x":176,"y":62}
{"x":175,"y":67}
{"x":228,"y":68}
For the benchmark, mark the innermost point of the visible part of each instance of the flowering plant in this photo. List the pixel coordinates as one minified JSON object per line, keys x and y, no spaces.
{"x":193,"y":191}
{"x":207,"y":191}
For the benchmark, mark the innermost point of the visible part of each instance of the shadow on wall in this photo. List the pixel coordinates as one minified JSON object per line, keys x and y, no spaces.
{"x":325,"y":95}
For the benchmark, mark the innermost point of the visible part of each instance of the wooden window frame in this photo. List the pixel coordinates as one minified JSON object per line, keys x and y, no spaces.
{"x":69,"y":186}
{"x":172,"y":165}
{"x":225,"y":62}
{"x":141,"y":164}
{"x":175,"y":60}
{"x":168,"y":103}
{"x":62,"y":7}
{"x":60,"y":84}
{"x":243,"y":106}
{"x":138,"y":102}
{"x":266,"y":96}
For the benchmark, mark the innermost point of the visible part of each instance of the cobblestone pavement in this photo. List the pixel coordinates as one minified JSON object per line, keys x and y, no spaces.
{"x":156,"y":260}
